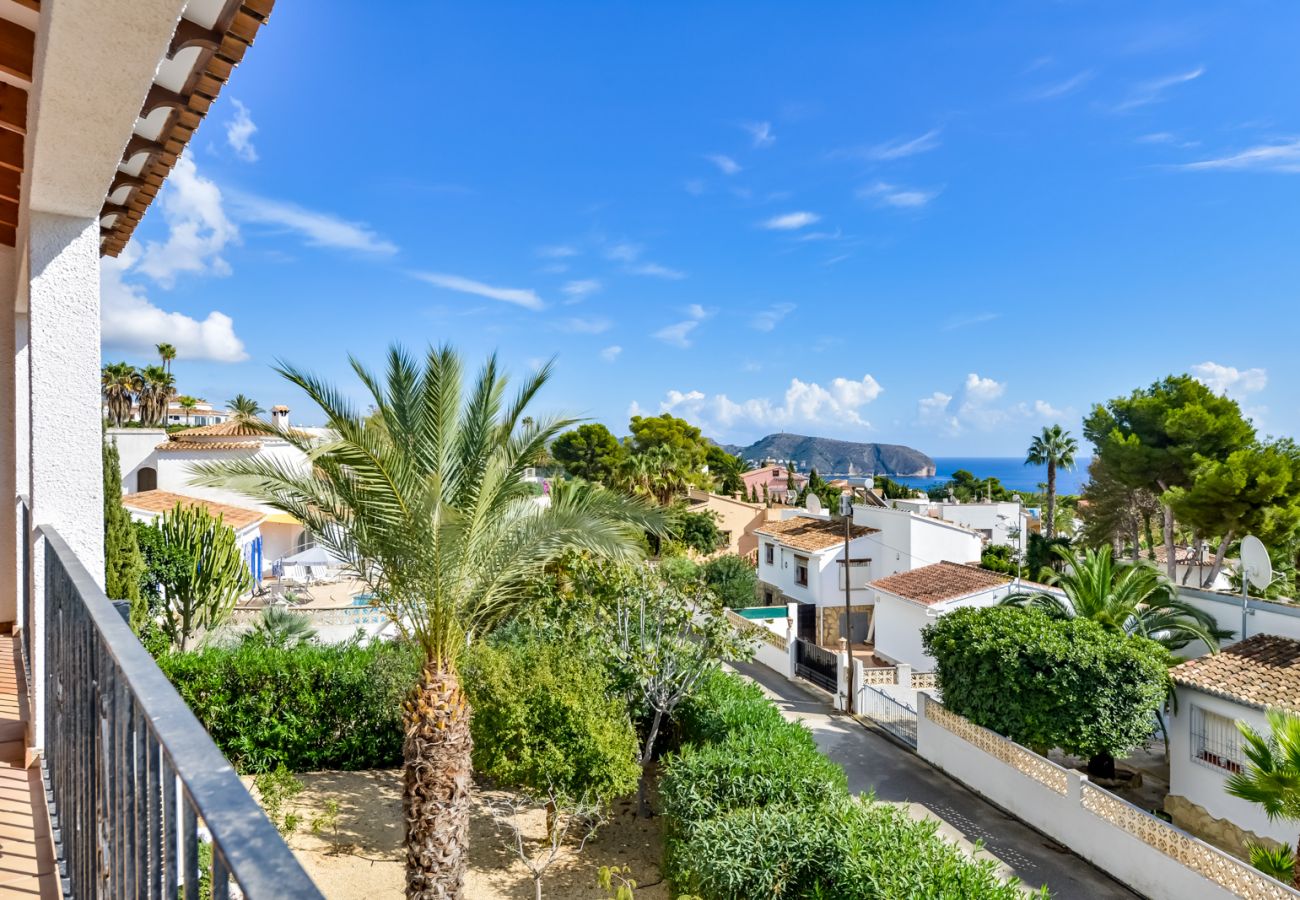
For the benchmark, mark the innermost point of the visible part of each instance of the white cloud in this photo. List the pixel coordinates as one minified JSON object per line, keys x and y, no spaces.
{"x":526,"y":298}
{"x":594,"y":325}
{"x":804,"y":403}
{"x":1229,"y":379}
{"x":726,"y":165}
{"x":131,"y":323}
{"x":898,"y":197}
{"x":654,"y":270}
{"x":1061,"y":88}
{"x":1283,"y":156}
{"x":317,"y":229}
{"x":760,"y":133}
{"x":1153,"y":91}
{"x":624,"y":251}
{"x":610,"y":353}
{"x":556,"y":251}
{"x":198,"y":228}
{"x":679,"y":334}
{"x":953,"y":323}
{"x":582,"y":287}
{"x":791,"y":221}
{"x":982,"y":390}
{"x":240,"y":131}
{"x":767,"y":319}
{"x":978,"y":408}
{"x":902,"y":147}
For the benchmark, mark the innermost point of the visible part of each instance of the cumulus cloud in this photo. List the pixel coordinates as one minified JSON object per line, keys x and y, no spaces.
{"x":976,"y":405}
{"x":524,"y":297}
{"x":1229,"y":379}
{"x":198,"y":228}
{"x":840,"y":403}
{"x":315,"y":228}
{"x":768,"y":319}
{"x":610,"y":353}
{"x":240,"y":131}
{"x":791,"y":221}
{"x":679,"y":334}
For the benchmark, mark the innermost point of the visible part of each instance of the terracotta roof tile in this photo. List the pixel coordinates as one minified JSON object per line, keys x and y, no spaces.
{"x":1262,"y":671}
{"x":186,"y":446}
{"x":941,"y":581}
{"x":805,"y":533}
{"x":229,"y":428}
{"x":165,"y":501}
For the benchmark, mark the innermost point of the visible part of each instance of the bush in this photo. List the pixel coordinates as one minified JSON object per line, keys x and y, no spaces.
{"x":721,"y":705}
{"x":1046,"y":682}
{"x":544,"y":719}
{"x":732,"y":578}
{"x":700,"y":532}
{"x":306,"y":708}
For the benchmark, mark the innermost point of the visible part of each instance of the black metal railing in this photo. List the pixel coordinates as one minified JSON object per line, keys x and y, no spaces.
{"x":133,"y":779}
{"x":817,"y":664}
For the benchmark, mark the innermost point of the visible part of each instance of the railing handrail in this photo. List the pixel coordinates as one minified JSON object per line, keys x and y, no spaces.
{"x":250,"y":846}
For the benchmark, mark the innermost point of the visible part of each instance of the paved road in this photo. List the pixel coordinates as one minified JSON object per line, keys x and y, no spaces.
{"x":873,"y":762}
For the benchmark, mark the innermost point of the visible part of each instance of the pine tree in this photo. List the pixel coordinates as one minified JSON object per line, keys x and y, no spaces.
{"x":123,"y":564}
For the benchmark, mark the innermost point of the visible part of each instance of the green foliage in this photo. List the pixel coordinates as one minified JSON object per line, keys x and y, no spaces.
{"x":666,"y":430}
{"x":123,"y":564}
{"x":307,"y":708}
{"x":1275,"y":862}
{"x":589,"y":451}
{"x":893,"y":490}
{"x":545,"y":719}
{"x":965,"y":487}
{"x":1271,"y":780}
{"x":999,"y":558}
{"x":725,"y":469}
{"x":754,"y":810}
{"x":829,"y":496}
{"x":700,"y":532}
{"x":1043,"y":555}
{"x":200,"y":596}
{"x":279,"y":627}
{"x":732,"y":579}
{"x":1046,"y":682}
{"x":274,"y":789}
{"x":680,"y":571}
{"x":1054,"y":448}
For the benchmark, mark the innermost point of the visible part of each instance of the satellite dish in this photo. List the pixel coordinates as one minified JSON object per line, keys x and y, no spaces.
{"x":813,"y":504}
{"x":1255,"y":564}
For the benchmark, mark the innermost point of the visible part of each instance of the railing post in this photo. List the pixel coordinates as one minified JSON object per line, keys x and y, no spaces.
{"x":903,"y":674}
{"x":1074,"y":780}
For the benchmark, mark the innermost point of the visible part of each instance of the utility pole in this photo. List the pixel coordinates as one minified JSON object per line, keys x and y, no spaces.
{"x":846,"y":511}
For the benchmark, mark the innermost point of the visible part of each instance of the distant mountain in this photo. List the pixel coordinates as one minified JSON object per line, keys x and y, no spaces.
{"x":832,"y":457}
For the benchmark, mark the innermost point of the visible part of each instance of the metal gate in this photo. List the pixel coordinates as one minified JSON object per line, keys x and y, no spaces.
{"x":817,"y":664}
{"x":807,"y":630}
{"x":890,"y":713}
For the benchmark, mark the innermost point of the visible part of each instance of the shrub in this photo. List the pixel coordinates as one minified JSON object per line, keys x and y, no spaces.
{"x":721,"y":705}
{"x":700,"y":532}
{"x":680,"y":571}
{"x":305,"y":708}
{"x":1047,"y":682}
{"x":732,"y":578}
{"x":545,"y":719}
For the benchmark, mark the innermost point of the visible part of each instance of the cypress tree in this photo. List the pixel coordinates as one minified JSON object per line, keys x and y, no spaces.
{"x":123,"y":563}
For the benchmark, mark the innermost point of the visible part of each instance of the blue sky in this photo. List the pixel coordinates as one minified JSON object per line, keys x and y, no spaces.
{"x":942,"y":226}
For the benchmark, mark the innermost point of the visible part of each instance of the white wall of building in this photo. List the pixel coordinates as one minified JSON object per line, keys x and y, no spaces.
{"x":135,"y":450}
{"x":824,"y":586}
{"x":176,"y":471}
{"x":1203,"y":783}
{"x":1264,"y":617}
{"x":908,"y":541}
{"x":899,"y":623}
{"x":998,"y":522}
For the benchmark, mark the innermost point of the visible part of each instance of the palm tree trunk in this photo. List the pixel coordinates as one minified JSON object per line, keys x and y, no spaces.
{"x":1051,"y":498}
{"x":437,"y":778}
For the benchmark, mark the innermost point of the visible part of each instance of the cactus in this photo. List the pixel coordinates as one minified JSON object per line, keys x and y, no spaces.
{"x":201,"y":596}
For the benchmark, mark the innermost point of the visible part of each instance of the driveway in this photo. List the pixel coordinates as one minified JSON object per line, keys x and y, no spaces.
{"x":874,"y":762}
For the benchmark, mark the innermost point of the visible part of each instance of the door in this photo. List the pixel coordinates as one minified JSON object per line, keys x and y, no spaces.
{"x":807,"y":622}
{"x":861,"y":624}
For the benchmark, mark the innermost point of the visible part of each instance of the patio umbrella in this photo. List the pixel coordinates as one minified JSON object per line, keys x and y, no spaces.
{"x":312,"y":556}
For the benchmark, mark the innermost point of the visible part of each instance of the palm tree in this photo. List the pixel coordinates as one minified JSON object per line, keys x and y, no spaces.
{"x":157,"y":388}
{"x":119,"y":382}
{"x":1126,"y":597}
{"x":1053,"y":448}
{"x":187,"y":403}
{"x":427,"y":501}
{"x":246,"y":409}
{"x":1272,"y":780}
{"x":167,"y":353}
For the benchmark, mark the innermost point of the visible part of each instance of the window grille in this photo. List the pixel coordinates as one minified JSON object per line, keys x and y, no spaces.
{"x":1216,"y":742}
{"x":801,"y":570}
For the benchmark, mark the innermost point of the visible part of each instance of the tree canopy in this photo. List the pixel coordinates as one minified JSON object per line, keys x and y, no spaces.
{"x":666,"y":430}
{"x":589,"y":451}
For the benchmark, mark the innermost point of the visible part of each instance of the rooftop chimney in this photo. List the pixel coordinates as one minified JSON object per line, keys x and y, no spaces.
{"x":280,"y":417}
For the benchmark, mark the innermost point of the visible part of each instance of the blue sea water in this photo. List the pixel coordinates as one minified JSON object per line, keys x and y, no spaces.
{"x":1010,"y":470}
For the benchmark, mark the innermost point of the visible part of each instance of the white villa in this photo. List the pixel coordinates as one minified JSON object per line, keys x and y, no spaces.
{"x":997,"y":522}
{"x":247,"y":524}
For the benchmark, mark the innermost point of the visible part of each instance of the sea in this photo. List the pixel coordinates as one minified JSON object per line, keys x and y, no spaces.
{"x":1010,"y":470}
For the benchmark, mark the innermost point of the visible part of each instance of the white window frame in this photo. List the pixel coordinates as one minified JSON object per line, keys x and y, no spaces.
{"x":860,"y":575}
{"x":801,"y":562}
{"x":1215,"y":741}
{"x":769,"y":553}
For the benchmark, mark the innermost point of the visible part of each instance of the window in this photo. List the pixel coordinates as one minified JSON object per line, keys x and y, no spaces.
{"x":801,"y":570}
{"x":859,"y":573}
{"x":1216,"y":742}
{"x":769,"y":554}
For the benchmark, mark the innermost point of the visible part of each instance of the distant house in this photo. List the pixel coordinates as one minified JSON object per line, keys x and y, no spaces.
{"x":997,"y":521}
{"x":146,"y":506}
{"x":738,"y":519}
{"x":782,"y":486}
{"x":203,"y":413}
{"x":908,"y":601}
{"x":1215,"y":693}
{"x":1192,"y":566}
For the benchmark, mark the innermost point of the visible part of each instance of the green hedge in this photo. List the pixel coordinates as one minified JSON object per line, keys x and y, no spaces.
{"x":753,"y":809}
{"x":308,"y":708}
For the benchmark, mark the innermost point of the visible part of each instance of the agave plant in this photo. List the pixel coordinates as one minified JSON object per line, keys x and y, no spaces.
{"x":1122,"y":596}
{"x":425,"y":497}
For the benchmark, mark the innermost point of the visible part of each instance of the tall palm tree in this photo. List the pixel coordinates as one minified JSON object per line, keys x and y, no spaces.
{"x":157,"y":388}
{"x":187,"y":403}
{"x":426,"y":498}
{"x":246,"y":409}
{"x":1272,"y":780}
{"x":1127,"y":597}
{"x":166,"y":352}
{"x":119,"y":382}
{"x":1053,"y":448}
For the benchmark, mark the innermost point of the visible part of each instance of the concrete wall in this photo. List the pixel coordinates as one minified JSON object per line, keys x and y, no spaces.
{"x":1265,"y":617}
{"x":823,"y":588}
{"x":906,"y":541}
{"x":136,"y":449}
{"x":1114,"y":835}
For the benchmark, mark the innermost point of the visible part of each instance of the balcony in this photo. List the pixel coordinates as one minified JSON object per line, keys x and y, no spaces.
{"x":139,"y":797}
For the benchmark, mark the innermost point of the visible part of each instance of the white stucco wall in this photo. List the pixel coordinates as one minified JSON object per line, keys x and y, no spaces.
{"x":1265,"y":617}
{"x":1203,"y":783}
{"x":823,"y":588}
{"x":899,"y":623}
{"x":176,"y":471}
{"x":999,"y":518}
{"x":908,"y":541}
{"x":135,"y":449}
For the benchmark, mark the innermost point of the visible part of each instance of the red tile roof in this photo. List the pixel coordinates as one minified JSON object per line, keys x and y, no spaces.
{"x":939,"y":582}
{"x":236,"y":517}
{"x":806,"y":533}
{"x":1262,"y":671}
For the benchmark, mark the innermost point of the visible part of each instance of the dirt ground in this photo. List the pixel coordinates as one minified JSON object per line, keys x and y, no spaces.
{"x":362,"y":857}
